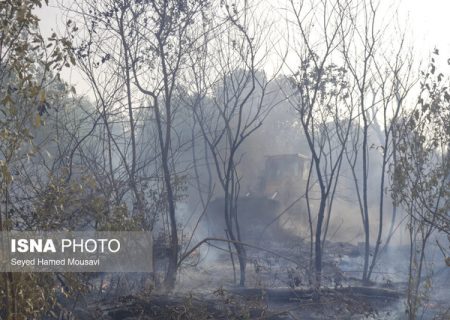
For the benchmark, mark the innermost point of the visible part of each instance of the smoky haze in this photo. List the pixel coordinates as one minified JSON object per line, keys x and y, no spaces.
{"x":288,"y":160}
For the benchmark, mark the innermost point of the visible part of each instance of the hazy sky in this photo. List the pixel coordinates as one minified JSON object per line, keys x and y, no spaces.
{"x":428,"y":27}
{"x":430,"y":23}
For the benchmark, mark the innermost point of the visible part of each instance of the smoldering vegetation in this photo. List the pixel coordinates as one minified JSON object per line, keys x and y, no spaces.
{"x":290,"y":160}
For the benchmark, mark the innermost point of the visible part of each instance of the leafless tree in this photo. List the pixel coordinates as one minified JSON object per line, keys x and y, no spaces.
{"x":320,"y":99}
{"x":231,"y":103}
{"x":165,"y":32}
{"x":133,"y":67}
{"x":381,"y":85}
{"x":420,"y":177}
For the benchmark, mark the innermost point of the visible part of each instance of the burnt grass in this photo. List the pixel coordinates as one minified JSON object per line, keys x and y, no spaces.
{"x":342,"y":303}
{"x":276,"y":290}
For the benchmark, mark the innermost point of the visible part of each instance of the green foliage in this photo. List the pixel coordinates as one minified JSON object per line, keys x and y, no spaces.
{"x":28,"y":65}
{"x":421,"y":177}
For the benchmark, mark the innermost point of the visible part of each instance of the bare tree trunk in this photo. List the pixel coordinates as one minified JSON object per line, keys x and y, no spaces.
{"x":170,"y":279}
{"x":318,"y":245}
{"x":231,"y":256}
{"x":310,"y":223}
{"x":10,"y":297}
{"x":381,"y":212}
{"x":234,"y":234}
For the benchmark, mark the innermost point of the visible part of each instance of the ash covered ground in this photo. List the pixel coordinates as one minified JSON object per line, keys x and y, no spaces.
{"x":277,"y":288}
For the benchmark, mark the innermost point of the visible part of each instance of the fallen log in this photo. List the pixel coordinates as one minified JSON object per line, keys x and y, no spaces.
{"x":167,"y":307}
{"x":288,"y":294}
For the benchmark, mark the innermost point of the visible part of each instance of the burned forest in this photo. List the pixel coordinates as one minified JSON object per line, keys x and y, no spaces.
{"x":218,"y":159}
